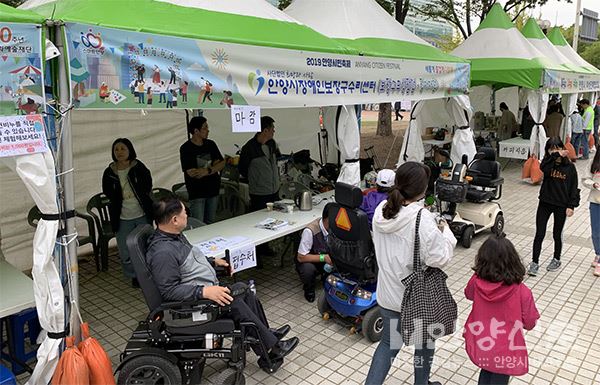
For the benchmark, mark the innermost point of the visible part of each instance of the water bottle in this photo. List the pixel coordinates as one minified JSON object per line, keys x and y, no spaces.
{"x":328,"y":268}
{"x":252,"y":286}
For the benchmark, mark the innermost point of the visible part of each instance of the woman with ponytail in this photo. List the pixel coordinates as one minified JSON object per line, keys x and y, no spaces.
{"x":394,"y":224}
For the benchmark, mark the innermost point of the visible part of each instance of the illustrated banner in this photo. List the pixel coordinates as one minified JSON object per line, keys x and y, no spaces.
{"x":570,"y":83}
{"x":113,"y":68}
{"x":21,"y":78}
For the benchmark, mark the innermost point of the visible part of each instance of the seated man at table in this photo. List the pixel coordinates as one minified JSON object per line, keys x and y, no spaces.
{"x":183,"y":273}
{"x":313,"y":254}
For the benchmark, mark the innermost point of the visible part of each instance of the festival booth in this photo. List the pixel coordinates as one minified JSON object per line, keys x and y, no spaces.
{"x":502,"y":57}
{"x":248,"y":51}
{"x":25,"y":151}
{"x":578,"y":76}
{"x":365,"y":26}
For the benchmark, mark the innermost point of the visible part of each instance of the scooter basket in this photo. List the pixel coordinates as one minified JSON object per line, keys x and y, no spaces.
{"x":449,"y":191}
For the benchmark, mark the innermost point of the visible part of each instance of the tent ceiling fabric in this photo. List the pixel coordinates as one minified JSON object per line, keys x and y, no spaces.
{"x":365,"y":26}
{"x":501,"y":55}
{"x":168,"y":18}
{"x":15,"y":15}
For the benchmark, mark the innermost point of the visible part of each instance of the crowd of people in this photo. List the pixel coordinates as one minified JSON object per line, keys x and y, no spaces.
{"x":396,"y":214}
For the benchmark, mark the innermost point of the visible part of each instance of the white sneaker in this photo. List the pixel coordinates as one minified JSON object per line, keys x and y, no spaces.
{"x":596,"y":260}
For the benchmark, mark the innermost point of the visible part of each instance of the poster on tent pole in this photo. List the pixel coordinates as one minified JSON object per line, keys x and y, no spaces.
{"x":22,"y":135}
{"x":21,"y":77}
{"x":113,"y":68}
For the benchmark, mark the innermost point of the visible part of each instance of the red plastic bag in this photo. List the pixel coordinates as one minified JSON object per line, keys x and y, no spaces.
{"x":591,"y":141}
{"x":97,"y":360}
{"x":536,"y":173}
{"x":72,"y":368}
{"x":570,"y":149}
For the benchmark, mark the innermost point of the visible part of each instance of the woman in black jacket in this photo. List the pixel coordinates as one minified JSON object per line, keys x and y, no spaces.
{"x":128,"y":185}
{"x":559,"y":196}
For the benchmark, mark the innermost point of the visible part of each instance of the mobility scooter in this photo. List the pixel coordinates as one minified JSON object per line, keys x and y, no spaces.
{"x":467,"y":200}
{"x":349,"y":292}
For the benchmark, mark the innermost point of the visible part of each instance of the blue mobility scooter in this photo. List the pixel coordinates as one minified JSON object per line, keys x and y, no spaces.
{"x":349,"y":292}
{"x":172,"y":344}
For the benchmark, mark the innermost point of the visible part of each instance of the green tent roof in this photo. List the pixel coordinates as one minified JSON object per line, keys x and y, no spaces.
{"x":14,"y":15}
{"x":164,"y":18}
{"x":496,"y":18}
{"x":556,"y":37}
{"x":532,"y":30}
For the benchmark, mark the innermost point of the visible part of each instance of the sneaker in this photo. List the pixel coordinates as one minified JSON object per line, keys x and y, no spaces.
{"x":553,"y":265}
{"x":597,"y":271}
{"x":533,"y":269}
{"x":595,"y":261}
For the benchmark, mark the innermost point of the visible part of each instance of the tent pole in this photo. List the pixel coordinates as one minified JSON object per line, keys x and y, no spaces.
{"x":66,"y":151}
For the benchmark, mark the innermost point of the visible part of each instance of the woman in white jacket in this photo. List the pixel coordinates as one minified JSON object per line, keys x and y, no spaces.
{"x":394,"y":235}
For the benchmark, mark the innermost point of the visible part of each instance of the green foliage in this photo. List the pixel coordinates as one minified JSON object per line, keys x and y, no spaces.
{"x":448,"y":42}
{"x":591,"y":54}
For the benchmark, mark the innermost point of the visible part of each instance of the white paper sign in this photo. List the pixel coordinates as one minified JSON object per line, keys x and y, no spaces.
{"x":21,"y":135}
{"x":514,"y":150}
{"x":245,"y":118}
{"x":116,"y":97}
{"x":242,"y":258}
{"x":217,"y":245}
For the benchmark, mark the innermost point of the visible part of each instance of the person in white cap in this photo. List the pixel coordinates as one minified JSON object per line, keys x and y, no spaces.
{"x":384,"y":182}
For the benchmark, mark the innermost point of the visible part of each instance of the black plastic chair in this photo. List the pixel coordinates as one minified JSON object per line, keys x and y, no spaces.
{"x":97,"y":207}
{"x":159,"y":193}
{"x":34,"y":216}
{"x":230,"y":203}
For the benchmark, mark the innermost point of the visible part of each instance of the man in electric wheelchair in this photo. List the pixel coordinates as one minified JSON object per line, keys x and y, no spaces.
{"x":190,"y":327}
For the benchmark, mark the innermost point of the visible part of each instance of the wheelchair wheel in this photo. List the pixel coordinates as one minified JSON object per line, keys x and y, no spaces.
{"x":467,"y":237}
{"x":149,"y":370}
{"x":372,"y":324}
{"x":498,"y":224}
{"x":323,"y":305}
{"x":229,"y":376}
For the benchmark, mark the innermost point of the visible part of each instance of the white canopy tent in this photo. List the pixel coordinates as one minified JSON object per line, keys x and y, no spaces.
{"x":365,"y":26}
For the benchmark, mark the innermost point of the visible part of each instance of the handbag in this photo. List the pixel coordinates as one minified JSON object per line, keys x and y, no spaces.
{"x":428,"y":310}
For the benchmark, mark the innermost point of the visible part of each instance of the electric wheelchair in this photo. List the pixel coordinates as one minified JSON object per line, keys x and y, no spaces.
{"x":349,"y":292}
{"x":172,"y":344}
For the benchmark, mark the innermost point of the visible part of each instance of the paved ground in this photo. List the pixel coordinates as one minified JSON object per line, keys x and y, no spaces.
{"x":564,"y":347}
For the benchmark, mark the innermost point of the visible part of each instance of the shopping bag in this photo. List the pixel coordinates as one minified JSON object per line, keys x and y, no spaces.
{"x":72,"y":368}
{"x":428,"y":309}
{"x":96,"y":358}
{"x":526,"y":171}
{"x":570,"y":149}
{"x":591,"y":141}
{"x":536,"y":173}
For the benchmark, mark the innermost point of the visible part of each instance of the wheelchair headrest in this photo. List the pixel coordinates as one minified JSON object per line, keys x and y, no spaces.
{"x":486,"y":153}
{"x":137,"y":244}
{"x":348,"y":195}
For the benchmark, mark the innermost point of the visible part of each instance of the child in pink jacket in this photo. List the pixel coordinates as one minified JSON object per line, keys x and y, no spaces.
{"x":502,"y":307}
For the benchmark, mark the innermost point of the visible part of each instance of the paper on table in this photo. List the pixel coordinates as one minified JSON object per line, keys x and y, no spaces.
{"x":218,"y":245}
{"x":272,"y":224}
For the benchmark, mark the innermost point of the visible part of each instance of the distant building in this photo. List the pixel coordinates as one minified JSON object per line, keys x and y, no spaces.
{"x":429,"y":30}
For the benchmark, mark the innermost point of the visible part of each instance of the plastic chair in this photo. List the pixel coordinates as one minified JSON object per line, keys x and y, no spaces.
{"x":35,"y":215}
{"x":230,"y":204}
{"x":97,"y":207}
{"x":193,"y":223}
{"x":177,"y":189}
{"x":159,"y":192}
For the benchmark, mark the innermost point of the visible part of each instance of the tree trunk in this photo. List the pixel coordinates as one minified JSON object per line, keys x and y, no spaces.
{"x":384,"y":121}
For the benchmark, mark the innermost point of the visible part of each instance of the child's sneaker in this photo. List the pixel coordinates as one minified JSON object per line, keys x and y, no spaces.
{"x":595,"y":261}
{"x":597,"y":271}
{"x":533,"y":269}
{"x":553,"y":265}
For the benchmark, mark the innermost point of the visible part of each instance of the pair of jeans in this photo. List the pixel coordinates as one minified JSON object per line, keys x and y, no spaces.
{"x":126,"y":226}
{"x":585,"y":144}
{"x":489,"y":378}
{"x":204,"y":209}
{"x":542,"y":216}
{"x":576,"y":142}
{"x":595,"y":219}
{"x":388,"y":348}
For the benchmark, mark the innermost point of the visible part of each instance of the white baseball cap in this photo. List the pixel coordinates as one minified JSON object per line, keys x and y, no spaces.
{"x":386,"y":178}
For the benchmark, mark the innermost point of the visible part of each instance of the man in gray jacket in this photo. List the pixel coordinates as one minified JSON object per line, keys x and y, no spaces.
{"x":258,"y":163}
{"x":183,"y":273}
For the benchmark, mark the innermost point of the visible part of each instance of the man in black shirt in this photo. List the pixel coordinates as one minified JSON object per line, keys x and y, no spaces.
{"x":201,"y":162}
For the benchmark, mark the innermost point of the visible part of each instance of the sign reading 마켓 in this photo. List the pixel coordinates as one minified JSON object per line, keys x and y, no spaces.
{"x":21,"y":135}
{"x":243,"y":258}
{"x":245,"y":119}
